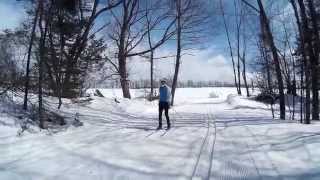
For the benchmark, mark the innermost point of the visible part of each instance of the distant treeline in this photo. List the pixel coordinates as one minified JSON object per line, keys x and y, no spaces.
{"x":138,"y":84}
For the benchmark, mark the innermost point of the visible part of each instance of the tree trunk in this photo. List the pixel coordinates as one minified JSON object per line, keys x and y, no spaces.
{"x":270,"y":41}
{"x":124,"y":77}
{"x":239,"y":75}
{"x":238,"y":26}
{"x":308,"y":96}
{"x":244,"y":75}
{"x":238,"y":59}
{"x":151,"y":75}
{"x":60,"y":98}
{"x":59,"y":84}
{"x":301,"y":93}
{"x":294,"y":94}
{"x":26,"y":90}
{"x":40,"y":79}
{"x":302,"y":64}
{"x":122,"y":58}
{"x":178,"y":55}
{"x":243,"y":60}
{"x":230,"y":47}
{"x":315,"y":90}
{"x":151,"y":55}
{"x":269,"y":84}
{"x":308,"y":55}
{"x":315,"y":61}
{"x":41,"y":62}
{"x":125,"y":89}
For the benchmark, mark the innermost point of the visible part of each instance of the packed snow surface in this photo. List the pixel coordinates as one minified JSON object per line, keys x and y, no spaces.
{"x":215,"y":135}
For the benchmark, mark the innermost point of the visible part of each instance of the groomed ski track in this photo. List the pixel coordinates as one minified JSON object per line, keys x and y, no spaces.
{"x":209,"y":140}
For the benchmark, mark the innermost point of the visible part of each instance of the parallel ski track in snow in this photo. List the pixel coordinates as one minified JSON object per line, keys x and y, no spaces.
{"x":204,"y":160}
{"x":211,"y":116}
{"x":211,"y":125}
{"x":204,"y":142}
{"x":256,"y":139}
{"x":233,"y":167}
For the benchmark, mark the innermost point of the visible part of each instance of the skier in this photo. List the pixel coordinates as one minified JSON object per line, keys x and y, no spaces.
{"x":164,"y":103}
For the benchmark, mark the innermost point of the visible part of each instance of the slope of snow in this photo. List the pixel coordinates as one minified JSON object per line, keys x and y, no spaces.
{"x":226,"y":137}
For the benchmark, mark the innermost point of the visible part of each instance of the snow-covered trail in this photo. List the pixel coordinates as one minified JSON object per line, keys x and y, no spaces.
{"x":228,"y":137}
{"x":251,"y":146}
{"x":113,"y":144}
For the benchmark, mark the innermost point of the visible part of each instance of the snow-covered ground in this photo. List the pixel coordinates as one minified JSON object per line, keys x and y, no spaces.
{"x":225,"y":137}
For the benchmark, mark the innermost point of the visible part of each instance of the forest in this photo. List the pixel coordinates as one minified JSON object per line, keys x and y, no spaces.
{"x":72,"y":63}
{"x":62,"y":43}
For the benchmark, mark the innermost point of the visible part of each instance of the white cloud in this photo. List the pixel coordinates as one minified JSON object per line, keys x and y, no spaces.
{"x":202,"y":65}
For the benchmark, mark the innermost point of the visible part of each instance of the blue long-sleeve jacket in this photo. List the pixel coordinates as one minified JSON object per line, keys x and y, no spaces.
{"x":164,"y":94}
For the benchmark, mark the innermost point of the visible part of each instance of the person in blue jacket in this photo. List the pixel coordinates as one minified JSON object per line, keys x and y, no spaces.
{"x":164,"y":103}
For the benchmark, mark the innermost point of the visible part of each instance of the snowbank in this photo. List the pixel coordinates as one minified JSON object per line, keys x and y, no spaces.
{"x":228,"y":137}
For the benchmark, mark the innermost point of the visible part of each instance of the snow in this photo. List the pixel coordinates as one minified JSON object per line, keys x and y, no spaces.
{"x":225,"y":137}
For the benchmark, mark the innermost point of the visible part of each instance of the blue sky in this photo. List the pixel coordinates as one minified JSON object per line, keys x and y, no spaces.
{"x":212,"y":63}
{"x":12,"y":13}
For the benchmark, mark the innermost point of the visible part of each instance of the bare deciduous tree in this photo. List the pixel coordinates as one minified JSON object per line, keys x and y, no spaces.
{"x":27,"y":79}
{"x":230,"y":46}
{"x":190,"y":17}
{"x":130,"y":29}
{"x":269,"y":43}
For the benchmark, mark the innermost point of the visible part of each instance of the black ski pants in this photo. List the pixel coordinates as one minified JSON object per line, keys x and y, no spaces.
{"x":164,"y":106}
